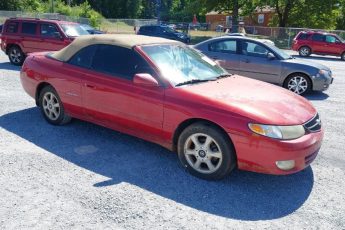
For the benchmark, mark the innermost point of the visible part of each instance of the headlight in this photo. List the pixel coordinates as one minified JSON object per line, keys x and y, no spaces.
{"x":180,"y":35}
{"x":325,"y":72}
{"x":278,"y":132}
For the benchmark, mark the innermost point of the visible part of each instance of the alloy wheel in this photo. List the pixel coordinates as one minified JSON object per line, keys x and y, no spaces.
{"x":298,"y":84}
{"x":203,"y":153}
{"x":51,"y":106}
{"x":304,"y":51}
{"x":15,"y":56}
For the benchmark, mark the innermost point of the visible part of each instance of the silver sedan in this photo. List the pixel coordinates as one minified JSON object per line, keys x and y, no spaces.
{"x":263,"y":61}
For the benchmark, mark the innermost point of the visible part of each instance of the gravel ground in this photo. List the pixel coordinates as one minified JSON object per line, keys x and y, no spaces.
{"x":83,"y":176}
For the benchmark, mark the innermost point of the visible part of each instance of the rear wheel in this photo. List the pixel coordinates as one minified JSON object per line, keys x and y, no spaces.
{"x":343,"y":56}
{"x":298,"y":83}
{"x":16,"y":55}
{"x":51,"y":107}
{"x":304,"y":51}
{"x":206,"y":152}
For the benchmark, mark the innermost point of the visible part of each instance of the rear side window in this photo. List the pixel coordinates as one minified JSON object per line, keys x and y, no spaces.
{"x":318,"y":37}
{"x":229,"y":46}
{"x":83,"y":58}
{"x":12,"y":27}
{"x":303,"y":36}
{"x":118,"y":61}
{"x":29,"y":28}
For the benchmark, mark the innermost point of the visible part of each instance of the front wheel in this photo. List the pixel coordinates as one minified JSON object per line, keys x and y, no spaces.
{"x":298,"y":83}
{"x":206,"y":152}
{"x":16,"y":55}
{"x":51,"y":107}
{"x":343,"y":56}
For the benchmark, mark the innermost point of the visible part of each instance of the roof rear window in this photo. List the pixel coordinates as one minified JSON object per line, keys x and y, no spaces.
{"x":12,"y":27}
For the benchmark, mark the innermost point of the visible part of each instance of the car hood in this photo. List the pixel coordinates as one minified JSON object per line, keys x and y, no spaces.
{"x":259,"y":101}
{"x":300,"y":61}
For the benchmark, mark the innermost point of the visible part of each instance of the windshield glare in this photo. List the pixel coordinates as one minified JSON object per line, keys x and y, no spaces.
{"x":179,"y":64}
{"x":73,"y":30}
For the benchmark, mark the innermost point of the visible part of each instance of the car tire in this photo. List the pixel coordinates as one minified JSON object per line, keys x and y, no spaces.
{"x":304,"y":51}
{"x":206,"y":152}
{"x":52,"y":107}
{"x":343,"y":56}
{"x":16,"y":56}
{"x":298,"y":83}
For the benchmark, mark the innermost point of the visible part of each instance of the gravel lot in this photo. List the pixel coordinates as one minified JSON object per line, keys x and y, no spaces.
{"x":83,"y":176}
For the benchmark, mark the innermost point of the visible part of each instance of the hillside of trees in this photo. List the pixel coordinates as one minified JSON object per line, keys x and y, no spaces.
{"x":323,"y":14}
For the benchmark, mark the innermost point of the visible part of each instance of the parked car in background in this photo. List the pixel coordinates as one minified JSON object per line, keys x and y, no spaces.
{"x":90,"y":29}
{"x":163,"y":32}
{"x":22,"y":36}
{"x":312,"y":42}
{"x":166,"y":92}
{"x":262,"y":61}
{"x":244,"y":35}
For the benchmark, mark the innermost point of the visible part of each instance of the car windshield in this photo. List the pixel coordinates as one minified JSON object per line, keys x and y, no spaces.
{"x":180,"y":64}
{"x":73,"y":30}
{"x":342,"y":40}
{"x":278,"y":51}
{"x":87,"y":27}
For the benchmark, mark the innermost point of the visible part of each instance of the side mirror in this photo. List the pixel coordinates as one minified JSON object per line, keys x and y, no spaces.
{"x":270,"y":56}
{"x":145,"y":79}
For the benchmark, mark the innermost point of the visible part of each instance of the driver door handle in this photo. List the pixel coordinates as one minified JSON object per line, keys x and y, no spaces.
{"x":245,"y":60}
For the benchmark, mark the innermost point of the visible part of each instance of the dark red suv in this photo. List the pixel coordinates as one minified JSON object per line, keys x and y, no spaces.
{"x":21,"y":36}
{"x":312,"y":42}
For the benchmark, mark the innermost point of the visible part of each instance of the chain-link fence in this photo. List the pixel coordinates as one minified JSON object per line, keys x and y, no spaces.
{"x":107,"y":25}
{"x":283,"y":37}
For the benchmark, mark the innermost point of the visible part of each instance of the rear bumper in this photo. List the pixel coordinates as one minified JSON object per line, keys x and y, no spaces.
{"x":260,"y":154}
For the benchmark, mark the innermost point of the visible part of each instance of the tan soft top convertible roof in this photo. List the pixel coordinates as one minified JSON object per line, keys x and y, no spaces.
{"x":124,"y":40}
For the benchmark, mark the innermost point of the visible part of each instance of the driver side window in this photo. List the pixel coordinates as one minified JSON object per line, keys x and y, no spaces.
{"x":331,"y":39}
{"x":254,"y":49}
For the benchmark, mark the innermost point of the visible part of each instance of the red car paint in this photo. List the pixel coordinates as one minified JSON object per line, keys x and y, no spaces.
{"x":333,"y":46}
{"x":155,"y":113}
{"x":37,"y":42}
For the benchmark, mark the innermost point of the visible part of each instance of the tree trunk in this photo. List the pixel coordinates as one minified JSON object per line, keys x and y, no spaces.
{"x":235,"y":16}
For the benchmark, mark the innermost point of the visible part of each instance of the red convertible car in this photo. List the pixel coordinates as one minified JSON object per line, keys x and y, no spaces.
{"x":168,"y":93}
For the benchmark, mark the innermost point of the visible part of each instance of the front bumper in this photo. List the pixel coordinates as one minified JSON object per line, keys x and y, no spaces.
{"x":322,"y":82}
{"x":260,"y":154}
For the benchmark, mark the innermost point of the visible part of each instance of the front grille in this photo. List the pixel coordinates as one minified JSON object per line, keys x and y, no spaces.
{"x":314,"y":124}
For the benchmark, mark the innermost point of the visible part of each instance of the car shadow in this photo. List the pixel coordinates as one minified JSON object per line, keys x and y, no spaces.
{"x":316,"y":96}
{"x":321,"y":58}
{"x":123,"y":158}
{"x":9,"y":66}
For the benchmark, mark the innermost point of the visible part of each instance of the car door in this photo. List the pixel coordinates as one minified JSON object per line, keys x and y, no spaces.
{"x":319,"y":44}
{"x":111,"y":97}
{"x":51,"y":37}
{"x":254,"y":62}
{"x":224,"y":52}
{"x":30,"y":40}
{"x":334,"y":45}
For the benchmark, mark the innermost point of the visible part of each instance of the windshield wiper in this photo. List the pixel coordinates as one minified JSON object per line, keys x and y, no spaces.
{"x":193,"y":81}
{"x":224,"y":75}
